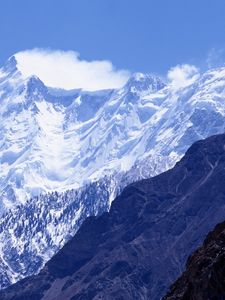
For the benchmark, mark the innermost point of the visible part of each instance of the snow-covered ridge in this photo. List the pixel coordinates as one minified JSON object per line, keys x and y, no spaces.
{"x":58,"y":140}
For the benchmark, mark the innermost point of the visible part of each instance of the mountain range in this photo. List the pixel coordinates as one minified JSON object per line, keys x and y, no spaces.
{"x":140,"y":247}
{"x":56,"y":140}
{"x":65,"y":155}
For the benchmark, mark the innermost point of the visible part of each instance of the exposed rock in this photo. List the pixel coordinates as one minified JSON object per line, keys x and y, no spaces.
{"x":204,"y":278}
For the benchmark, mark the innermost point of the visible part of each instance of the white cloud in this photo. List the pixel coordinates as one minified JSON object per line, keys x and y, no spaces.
{"x":65,"y":69}
{"x":182,"y":75}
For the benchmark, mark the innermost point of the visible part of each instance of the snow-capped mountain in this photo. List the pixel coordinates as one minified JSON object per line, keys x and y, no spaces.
{"x":59,"y":140}
{"x":63,"y":141}
{"x":55,"y":140}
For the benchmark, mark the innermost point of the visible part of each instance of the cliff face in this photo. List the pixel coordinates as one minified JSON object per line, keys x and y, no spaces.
{"x":204,"y":277}
{"x":140,"y":247}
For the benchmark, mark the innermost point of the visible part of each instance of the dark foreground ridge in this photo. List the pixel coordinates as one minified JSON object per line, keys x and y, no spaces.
{"x":140,"y":247}
{"x":204,"y":277}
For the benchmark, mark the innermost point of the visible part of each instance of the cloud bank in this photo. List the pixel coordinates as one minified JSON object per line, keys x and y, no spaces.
{"x":182,"y":75}
{"x":65,"y":69}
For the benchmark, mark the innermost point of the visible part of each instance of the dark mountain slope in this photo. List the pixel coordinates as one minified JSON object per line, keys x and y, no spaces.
{"x":204,"y":278}
{"x":140,"y":247}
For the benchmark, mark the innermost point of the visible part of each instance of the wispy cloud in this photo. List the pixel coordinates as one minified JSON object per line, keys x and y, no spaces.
{"x":182,"y":75}
{"x":216,"y":58}
{"x":65,"y":69}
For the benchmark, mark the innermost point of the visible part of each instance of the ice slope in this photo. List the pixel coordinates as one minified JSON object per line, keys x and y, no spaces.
{"x":38,"y":150}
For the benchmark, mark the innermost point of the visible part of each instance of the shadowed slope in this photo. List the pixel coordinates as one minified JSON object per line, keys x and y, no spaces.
{"x":140,"y":247}
{"x":204,"y":277}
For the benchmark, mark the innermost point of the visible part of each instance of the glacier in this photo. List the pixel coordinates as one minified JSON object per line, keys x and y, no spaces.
{"x":57,"y":144}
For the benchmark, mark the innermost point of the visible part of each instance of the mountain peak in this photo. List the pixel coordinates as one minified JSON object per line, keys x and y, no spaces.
{"x":34,"y":80}
{"x":34,"y":84}
{"x":140,"y":81}
{"x":10,"y":65}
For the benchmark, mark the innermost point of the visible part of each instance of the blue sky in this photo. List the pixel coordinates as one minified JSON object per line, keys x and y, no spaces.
{"x":138,"y":35}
